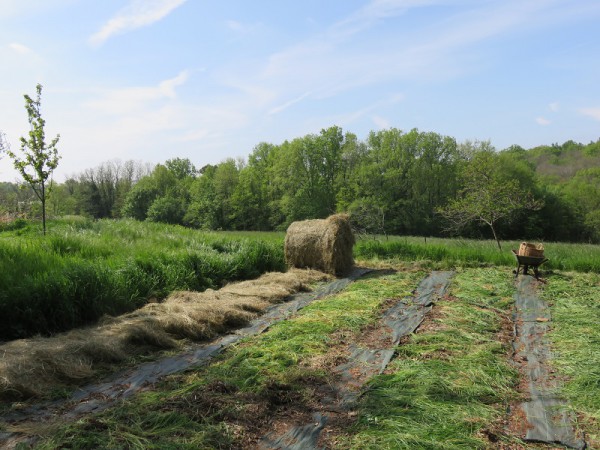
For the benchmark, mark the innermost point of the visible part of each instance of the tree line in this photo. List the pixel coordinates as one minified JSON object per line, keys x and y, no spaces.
{"x":393,"y":182}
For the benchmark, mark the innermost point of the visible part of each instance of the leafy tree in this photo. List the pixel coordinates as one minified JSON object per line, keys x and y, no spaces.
{"x":140,"y":198}
{"x":181,"y":168}
{"x":487,"y":197}
{"x":39,"y":158}
{"x":250,"y":200}
{"x":203,"y":210}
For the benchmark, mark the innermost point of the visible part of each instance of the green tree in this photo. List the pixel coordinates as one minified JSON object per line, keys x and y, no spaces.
{"x":161,"y":182}
{"x":203,"y":210}
{"x":181,"y":168}
{"x":39,"y":158}
{"x":487,"y":196}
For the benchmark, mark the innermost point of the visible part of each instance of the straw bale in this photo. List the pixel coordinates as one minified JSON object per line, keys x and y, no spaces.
{"x":322,"y":244}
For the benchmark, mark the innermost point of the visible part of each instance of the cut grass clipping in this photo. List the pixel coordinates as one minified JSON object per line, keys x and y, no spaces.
{"x":229,"y":404}
{"x":575,"y":337}
{"x":451,"y":383}
{"x":448,"y":388}
{"x":38,"y":366}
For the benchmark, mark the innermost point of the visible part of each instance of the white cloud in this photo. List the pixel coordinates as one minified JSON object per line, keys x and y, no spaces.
{"x":594,"y":113}
{"x":128,"y":100}
{"x":20,"y":48}
{"x":554,"y":107}
{"x":542,"y":121}
{"x":348,"y":118}
{"x":287,"y":104}
{"x":381,"y":122}
{"x":139,"y":13}
{"x":240,"y":27}
{"x":344,"y":57}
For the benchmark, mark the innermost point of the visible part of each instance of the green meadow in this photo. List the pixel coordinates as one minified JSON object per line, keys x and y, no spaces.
{"x":85,"y":269}
{"x":449,"y":387}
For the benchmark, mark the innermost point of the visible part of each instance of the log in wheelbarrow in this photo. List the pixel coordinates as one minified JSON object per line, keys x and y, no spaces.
{"x":525,"y":262}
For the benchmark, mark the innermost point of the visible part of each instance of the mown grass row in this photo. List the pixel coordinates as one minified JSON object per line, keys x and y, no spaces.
{"x":234,"y":399}
{"x":451,"y":384}
{"x":83,"y":269}
{"x":448,"y":388}
{"x":575,"y":337}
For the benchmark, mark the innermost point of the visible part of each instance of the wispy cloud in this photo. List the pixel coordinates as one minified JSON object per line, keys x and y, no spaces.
{"x":594,"y":113}
{"x":542,"y":121}
{"x":381,"y":122}
{"x":241,"y":28}
{"x":375,"y":11}
{"x":554,"y":106}
{"x":287,"y":104}
{"x":128,"y":100}
{"x":346,"y":56}
{"x":20,"y":48}
{"x":373,"y":108}
{"x":139,"y":13}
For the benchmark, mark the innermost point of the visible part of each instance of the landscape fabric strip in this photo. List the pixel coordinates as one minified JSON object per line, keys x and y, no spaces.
{"x":400,"y":320}
{"x":98,"y":397}
{"x":546,"y":412}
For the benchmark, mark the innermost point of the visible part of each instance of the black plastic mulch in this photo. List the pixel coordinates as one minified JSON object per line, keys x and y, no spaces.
{"x":401,"y":319}
{"x":98,"y":397}
{"x":548,"y":419}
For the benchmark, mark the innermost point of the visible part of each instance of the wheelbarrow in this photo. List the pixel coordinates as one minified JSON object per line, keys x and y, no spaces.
{"x":525,"y":262}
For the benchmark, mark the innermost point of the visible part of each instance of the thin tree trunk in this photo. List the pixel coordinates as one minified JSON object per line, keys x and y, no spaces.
{"x":43,"y":208}
{"x":496,"y":237}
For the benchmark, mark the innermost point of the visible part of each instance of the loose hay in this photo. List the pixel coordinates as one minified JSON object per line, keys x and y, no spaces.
{"x":36,"y":366}
{"x":322,"y":244}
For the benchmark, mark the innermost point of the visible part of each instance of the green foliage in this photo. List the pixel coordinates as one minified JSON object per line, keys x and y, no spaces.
{"x":87,"y":269}
{"x":394,"y":182}
{"x":39,"y":158}
{"x":490,"y":194}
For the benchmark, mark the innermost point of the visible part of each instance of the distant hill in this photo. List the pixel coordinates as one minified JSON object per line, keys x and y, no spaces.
{"x":560,"y":163}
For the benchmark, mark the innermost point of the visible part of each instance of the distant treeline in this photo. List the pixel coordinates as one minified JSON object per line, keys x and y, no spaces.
{"x":394,"y":182}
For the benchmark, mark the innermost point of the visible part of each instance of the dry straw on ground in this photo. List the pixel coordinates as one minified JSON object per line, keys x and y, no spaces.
{"x":35,"y":367}
{"x":322,"y":244}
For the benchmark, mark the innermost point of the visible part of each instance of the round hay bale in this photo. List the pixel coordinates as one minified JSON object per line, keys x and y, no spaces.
{"x":322,"y":244}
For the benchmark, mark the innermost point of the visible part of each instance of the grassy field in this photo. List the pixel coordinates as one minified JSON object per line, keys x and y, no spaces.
{"x":475,"y":253}
{"x":84,"y":269}
{"x":449,"y":386}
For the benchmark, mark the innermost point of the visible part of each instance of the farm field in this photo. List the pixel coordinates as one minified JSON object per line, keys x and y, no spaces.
{"x":86,"y":269}
{"x":449,"y":385}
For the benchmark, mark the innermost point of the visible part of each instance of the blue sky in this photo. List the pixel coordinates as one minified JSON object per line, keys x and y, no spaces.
{"x":151,"y":80}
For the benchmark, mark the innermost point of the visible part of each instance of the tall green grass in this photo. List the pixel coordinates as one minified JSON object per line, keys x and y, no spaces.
{"x":83,"y":269}
{"x":471,"y":253}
